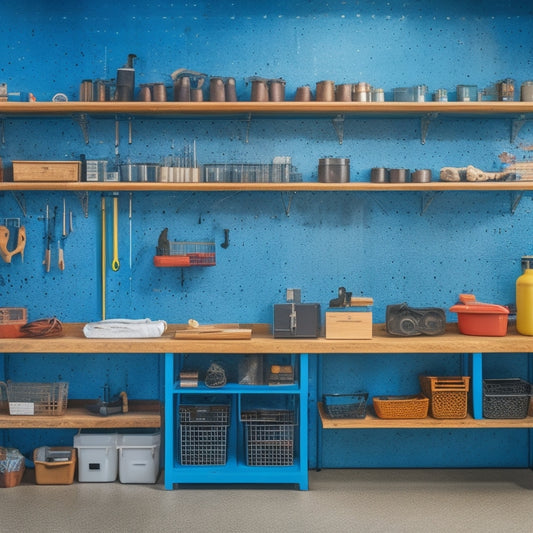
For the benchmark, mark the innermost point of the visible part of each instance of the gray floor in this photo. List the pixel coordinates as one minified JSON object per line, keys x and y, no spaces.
{"x":429,"y":501}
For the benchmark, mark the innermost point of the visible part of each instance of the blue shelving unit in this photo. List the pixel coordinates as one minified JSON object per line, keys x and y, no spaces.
{"x":238,"y":397}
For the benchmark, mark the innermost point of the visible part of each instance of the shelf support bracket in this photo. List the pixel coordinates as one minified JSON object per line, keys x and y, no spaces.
{"x":516,"y":126}
{"x":83,"y":122}
{"x":338,"y":124}
{"x":248,"y":124}
{"x":3,"y":129}
{"x":517,"y":198}
{"x":424,"y":125}
{"x":83,"y":196}
{"x":21,"y":201}
{"x":427,"y":199}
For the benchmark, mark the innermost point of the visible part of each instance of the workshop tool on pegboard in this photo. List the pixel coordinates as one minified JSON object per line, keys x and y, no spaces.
{"x":4,"y":239}
{"x":115,"y":263}
{"x":103,"y":253}
{"x":49,"y":230}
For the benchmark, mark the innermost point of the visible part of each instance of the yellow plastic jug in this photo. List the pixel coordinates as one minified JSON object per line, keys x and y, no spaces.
{"x":524,"y":303}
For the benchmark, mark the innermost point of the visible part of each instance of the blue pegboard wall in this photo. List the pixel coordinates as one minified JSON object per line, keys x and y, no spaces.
{"x":392,"y":246}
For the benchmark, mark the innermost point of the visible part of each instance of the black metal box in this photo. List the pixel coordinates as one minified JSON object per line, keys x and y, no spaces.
{"x":296,"y":320}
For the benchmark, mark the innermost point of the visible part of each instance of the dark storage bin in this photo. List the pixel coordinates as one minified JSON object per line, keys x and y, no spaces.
{"x":506,"y":398}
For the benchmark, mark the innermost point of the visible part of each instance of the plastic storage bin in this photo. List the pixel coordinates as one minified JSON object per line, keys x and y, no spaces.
{"x":448,"y":396}
{"x":138,"y":458}
{"x":97,"y":457}
{"x":54,"y":465}
{"x":11,"y":467}
{"x":506,"y":398}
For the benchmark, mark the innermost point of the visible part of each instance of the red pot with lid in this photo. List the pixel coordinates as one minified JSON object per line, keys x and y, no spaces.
{"x":478,"y":318}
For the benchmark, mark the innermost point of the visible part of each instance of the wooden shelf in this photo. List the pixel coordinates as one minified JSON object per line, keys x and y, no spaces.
{"x":74,"y":342}
{"x":310,"y":186}
{"x":271,"y":109}
{"x":141,"y":414}
{"x":371,"y":421}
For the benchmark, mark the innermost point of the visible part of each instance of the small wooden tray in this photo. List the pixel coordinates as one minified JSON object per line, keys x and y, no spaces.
{"x":214,"y":331}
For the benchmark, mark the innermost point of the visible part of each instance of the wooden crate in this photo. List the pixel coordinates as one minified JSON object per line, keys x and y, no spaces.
{"x":348,"y":324}
{"x":46,"y":171}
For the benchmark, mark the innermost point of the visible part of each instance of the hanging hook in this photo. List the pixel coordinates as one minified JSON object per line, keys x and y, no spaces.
{"x":225,"y":244}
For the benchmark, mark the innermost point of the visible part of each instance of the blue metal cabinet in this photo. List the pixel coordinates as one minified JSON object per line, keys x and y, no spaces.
{"x":235,"y":468}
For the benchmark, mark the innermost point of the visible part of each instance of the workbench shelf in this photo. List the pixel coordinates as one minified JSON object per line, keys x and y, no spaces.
{"x":141,"y":414}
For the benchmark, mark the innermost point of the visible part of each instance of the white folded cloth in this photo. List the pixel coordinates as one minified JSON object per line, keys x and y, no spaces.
{"x":124,"y":328}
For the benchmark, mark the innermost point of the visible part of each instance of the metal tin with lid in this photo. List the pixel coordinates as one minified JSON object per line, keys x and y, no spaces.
{"x":333,"y":170}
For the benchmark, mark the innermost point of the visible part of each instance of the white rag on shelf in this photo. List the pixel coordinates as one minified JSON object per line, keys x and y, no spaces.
{"x":124,"y":328}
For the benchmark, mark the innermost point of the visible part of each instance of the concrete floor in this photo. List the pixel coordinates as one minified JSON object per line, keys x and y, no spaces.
{"x":429,"y":501}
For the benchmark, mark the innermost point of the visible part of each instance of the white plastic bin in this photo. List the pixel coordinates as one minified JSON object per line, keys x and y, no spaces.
{"x":97,"y":457}
{"x":138,"y":458}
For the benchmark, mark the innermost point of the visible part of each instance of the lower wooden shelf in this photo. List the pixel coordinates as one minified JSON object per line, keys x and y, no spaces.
{"x":371,"y":421}
{"x":141,"y":414}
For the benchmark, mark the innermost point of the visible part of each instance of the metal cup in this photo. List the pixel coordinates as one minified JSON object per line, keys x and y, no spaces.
{"x":325,"y":91}
{"x":343,"y":92}
{"x":399,"y":175}
{"x":259,"y":91}
{"x":230,"y":90}
{"x":216,"y":90}
{"x":276,"y":90}
{"x":303,"y":94}
{"x":379,"y":175}
{"x":159,"y":92}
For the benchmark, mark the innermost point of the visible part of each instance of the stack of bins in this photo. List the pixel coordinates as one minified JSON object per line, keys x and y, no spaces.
{"x":203,"y":434}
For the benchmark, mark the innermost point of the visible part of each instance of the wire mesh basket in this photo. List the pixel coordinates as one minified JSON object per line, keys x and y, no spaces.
{"x":506,"y":398}
{"x":198,"y":253}
{"x":345,"y":405}
{"x":49,"y":399}
{"x":269,"y":437}
{"x":203,"y":434}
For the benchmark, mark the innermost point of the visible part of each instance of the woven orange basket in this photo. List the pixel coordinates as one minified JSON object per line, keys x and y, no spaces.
{"x":448,"y":396}
{"x":413,"y":406}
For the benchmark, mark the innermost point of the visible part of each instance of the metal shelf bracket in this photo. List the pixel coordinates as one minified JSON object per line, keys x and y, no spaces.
{"x":83,"y":122}
{"x":338,"y":124}
{"x":515,"y":201}
{"x":83,"y":196}
{"x":427,"y":199}
{"x":516,"y":126}
{"x":424,"y":125}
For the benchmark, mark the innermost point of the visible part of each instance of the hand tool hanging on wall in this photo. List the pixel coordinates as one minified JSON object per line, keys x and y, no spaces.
{"x":19,"y":248}
{"x":103,"y":252}
{"x":115,"y":263}
{"x":48,"y":237}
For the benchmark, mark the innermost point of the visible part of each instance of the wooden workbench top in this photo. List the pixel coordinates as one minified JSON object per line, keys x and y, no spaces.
{"x":262,"y":341}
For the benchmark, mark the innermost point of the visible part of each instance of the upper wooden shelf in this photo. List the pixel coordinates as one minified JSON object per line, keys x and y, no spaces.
{"x":117,"y":186}
{"x":74,"y":342}
{"x":176,"y":109}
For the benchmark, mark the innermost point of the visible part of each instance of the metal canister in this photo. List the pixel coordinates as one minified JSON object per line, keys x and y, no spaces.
{"x":303,"y":94}
{"x":86,"y":91}
{"x":526,"y":91}
{"x":276,"y":90}
{"x":362,"y":92}
{"x":325,"y":91}
{"x":421,"y":176}
{"x":378,"y":95}
{"x":159,"y":92}
{"x":399,"y":175}
{"x":217,"y":93}
{"x":333,"y":170}
{"x":379,"y":175}
{"x":259,"y":90}
{"x":506,"y":90}
{"x":343,"y":92}
{"x":440,"y":95}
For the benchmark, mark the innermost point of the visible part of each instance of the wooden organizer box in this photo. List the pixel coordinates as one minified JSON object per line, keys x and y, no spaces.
{"x":46,"y":171}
